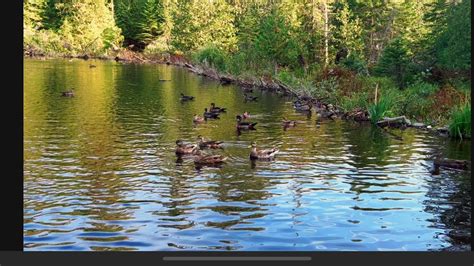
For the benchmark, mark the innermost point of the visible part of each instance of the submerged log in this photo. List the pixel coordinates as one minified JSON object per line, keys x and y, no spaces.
{"x":398,"y":121}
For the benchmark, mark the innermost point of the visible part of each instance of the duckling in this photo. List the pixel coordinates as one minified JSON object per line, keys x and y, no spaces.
{"x":186,"y":98}
{"x":244,"y":125}
{"x":250,"y":97}
{"x":68,"y":93}
{"x":216,"y":109}
{"x":210,"y":159}
{"x":212,"y":144}
{"x":210,"y":114}
{"x":288,"y":123}
{"x":262,"y":154}
{"x":182,"y":148}
{"x":198,"y":119}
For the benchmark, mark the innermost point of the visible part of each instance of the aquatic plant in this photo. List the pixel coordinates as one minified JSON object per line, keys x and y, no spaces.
{"x":460,"y":124}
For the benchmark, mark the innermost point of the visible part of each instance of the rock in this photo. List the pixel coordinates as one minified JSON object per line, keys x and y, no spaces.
{"x":418,"y":125}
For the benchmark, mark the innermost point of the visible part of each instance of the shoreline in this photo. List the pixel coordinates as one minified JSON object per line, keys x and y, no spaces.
{"x":328,"y":111}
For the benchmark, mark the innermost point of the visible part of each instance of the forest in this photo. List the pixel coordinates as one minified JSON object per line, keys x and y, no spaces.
{"x":384,"y":57}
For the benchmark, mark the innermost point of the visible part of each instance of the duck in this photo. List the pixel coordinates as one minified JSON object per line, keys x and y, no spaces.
{"x":68,"y":93}
{"x":250,"y":97}
{"x":262,"y":154}
{"x":186,"y":98}
{"x":244,"y":125}
{"x":209,"y":159}
{"x":210,"y":114}
{"x":198,"y":119}
{"x":288,"y":123}
{"x":216,"y":109}
{"x":92,"y":66}
{"x":302,"y":106}
{"x":212,"y":144}
{"x":182,"y":148}
{"x":248,"y":90}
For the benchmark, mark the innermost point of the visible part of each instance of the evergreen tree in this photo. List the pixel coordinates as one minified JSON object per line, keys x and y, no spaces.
{"x":454,"y":44}
{"x":394,"y":62}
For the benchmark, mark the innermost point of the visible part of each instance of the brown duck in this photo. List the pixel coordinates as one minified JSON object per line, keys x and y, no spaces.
{"x":209,"y":159}
{"x":262,"y":154}
{"x":212,"y":144}
{"x":182,"y":148}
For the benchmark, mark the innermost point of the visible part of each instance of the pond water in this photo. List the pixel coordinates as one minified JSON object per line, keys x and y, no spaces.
{"x":100,"y":172}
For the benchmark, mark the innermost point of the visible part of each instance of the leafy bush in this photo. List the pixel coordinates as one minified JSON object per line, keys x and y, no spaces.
{"x":355,"y":63}
{"x":416,"y":100}
{"x":460,"y":124}
{"x":211,"y":56}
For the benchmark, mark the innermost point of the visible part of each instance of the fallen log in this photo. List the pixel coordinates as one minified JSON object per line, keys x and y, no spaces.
{"x":398,"y":121}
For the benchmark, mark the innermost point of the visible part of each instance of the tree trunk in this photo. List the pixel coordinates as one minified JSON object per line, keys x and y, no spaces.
{"x":326,"y":34}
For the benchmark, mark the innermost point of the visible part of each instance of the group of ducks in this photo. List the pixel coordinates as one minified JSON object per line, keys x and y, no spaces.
{"x":195,"y":150}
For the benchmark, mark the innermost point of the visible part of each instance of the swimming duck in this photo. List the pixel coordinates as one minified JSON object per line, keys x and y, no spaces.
{"x":198,"y":119}
{"x":302,"y":107}
{"x":210,"y":114}
{"x":68,"y":93}
{"x":212,"y":144}
{"x":262,"y":154}
{"x":288,"y":123}
{"x":205,"y":159}
{"x":216,"y":109}
{"x":250,"y":97}
{"x":182,"y":148}
{"x":186,"y":98}
{"x":244,"y":125}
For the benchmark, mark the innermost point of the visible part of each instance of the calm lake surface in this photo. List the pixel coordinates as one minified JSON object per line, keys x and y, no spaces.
{"x":100,"y":172}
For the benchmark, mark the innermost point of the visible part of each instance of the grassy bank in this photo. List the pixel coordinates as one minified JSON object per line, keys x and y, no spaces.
{"x":436,"y":104}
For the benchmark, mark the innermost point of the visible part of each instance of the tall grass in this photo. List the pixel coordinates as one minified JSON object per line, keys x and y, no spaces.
{"x":379,"y":110}
{"x":460,"y":124}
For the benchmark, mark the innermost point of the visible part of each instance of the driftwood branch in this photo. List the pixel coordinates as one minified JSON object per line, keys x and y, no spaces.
{"x":394,"y":122}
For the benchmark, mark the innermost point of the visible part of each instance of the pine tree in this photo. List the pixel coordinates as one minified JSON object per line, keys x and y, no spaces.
{"x":394,"y":62}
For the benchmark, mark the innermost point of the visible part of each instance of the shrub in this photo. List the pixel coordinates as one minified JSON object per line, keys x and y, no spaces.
{"x":460,"y":124}
{"x":211,"y":56}
{"x":416,"y":100}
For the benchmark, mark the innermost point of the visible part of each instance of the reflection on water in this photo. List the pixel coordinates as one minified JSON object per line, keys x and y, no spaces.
{"x":100,"y":171}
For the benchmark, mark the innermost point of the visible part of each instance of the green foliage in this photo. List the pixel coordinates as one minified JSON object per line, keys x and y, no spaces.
{"x":355,"y":63}
{"x":394,"y":62}
{"x":274,"y":41}
{"x":416,"y":101}
{"x":141,"y":21}
{"x":201,"y":23}
{"x":73,"y":28}
{"x":380,"y":109}
{"x":460,"y":123}
{"x":211,"y":56}
{"x":454,"y":44}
